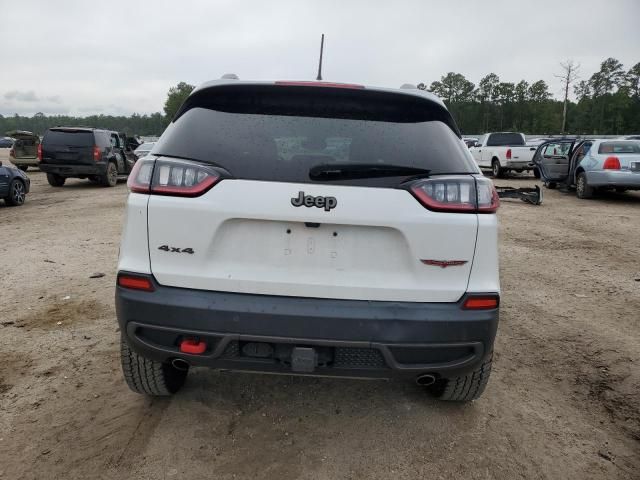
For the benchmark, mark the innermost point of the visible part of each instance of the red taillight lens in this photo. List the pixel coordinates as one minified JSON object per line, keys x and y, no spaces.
{"x":508,"y":154}
{"x":135,"y":282}
{"x":39,"y":152}
{"x":464,"y":194}
{"x":193,"y":346}
{"x":611,"y":163}
{"x":175,"y":177}
{"x":487,"y":302}
{"x":97,"y":153}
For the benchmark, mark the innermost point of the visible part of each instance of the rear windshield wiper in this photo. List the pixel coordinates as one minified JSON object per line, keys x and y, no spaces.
{"x":344,"y":171}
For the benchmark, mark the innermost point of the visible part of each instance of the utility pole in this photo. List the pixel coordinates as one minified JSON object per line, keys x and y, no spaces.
{"x":320,"y":62}
{"x":569,"y":76}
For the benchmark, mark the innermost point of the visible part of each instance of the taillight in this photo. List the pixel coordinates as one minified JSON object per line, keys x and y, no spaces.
{"x":508,"y":154}
{"x":481,"y":302}
{"x":135,"y":282}
{"x":12,"y":152}
{"x":180,"y":178}
{"x":97,"y":153}
{"x":611,"y":163}
{"x":39,"y":152}
{"x":465,"y":194}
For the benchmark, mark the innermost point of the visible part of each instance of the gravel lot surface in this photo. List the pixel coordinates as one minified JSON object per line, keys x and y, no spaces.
{"x":563,"y":400}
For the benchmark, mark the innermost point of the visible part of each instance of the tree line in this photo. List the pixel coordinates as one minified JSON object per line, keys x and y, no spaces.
{"x":607,"y":103}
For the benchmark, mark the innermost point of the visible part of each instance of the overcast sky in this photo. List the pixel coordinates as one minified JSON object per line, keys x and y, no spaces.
{"x":119,"y":57}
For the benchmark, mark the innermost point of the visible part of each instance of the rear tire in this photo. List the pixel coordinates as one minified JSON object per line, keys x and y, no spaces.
{"x":496,"y":170}
{"x":17,"y":194}
{"x":551,"y":185}
{"x":24,"y":168}
{"x":147,"y":376}
{"x":583,"y":190}
{"x":536,"y":172}
{"x":110,"y":178}
{"x":55,"y":180}
{"x":466,"y":387}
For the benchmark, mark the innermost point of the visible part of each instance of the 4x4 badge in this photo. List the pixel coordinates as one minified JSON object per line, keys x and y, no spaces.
{"x":327,"y":203}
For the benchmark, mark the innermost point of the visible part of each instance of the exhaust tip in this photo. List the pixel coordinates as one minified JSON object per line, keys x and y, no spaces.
{"x":425,"y":380}
{"x":180,"y":364}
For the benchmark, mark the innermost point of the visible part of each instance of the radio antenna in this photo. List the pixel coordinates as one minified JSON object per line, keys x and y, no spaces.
{"x":320,"y":62}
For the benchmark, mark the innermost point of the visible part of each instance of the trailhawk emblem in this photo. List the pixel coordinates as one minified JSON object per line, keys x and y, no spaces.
{"x":310,"y":201}
{"x":444,"y":263}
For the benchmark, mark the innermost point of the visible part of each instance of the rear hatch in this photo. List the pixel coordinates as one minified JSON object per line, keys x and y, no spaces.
{"x":68,"y":146}
{"x":311,"y":197}
{"x":25,"y":146}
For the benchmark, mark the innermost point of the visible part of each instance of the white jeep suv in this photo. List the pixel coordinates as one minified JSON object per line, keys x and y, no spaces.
{"x":310,"y":228}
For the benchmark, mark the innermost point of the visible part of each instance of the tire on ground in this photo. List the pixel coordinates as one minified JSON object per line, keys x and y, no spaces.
{"x":583,"y":190}
{"x":148,"y":376}
{"x":466,"y":387}
{"x":110,"y":177}
{"x":17,"y":193}
{"x":24,"y":168}
{"x":55,"y":180}
{"x":496,"y":170}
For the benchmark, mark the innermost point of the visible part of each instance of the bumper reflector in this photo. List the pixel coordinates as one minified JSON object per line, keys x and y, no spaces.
{"x":193,"y":346}
{"x":135,"y":283}
{"x":481,"y":303}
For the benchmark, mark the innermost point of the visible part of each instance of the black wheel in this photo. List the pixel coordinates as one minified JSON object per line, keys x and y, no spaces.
{"x":583,"y":190}
{"x":24,"y":168}
{"x":536,"y":172}
{"x":94,"y":179}
{"x":55,"y":180}
{"x":551,"y":185}
{"x":496,"y":170}
{"x":110,"y":178}
{"x":17,"y":193}
{"x":466,"y":387}
{"x":148,"y":376}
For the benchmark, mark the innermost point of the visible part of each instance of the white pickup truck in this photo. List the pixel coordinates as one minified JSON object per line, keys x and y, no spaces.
{"x":503,"y":152}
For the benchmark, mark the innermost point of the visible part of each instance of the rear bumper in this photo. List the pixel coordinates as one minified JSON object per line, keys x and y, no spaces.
{"x":353,"y":338}
{"x":29,"y":162}
{"x":71,"y":170}
{"x":517,"y":165}
{"x":614,"y":178}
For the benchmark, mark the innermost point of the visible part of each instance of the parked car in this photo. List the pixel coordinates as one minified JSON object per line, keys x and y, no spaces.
{"x":590,"y":165}
{"x":24,"y":152}
{"x":144,"y":149}
{"x":14,"y":185}
{"x":82,"y":152}
{"x":310,"y":228}
{"x":6,"y":142}
{"x":503,"y":152}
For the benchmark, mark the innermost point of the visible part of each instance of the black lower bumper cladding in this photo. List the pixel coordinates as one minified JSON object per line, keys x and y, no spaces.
{"x":277,"y":334}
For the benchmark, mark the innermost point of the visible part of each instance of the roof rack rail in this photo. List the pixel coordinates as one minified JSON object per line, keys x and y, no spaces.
{"x":230,"y":76}
{"x":408,"y":86}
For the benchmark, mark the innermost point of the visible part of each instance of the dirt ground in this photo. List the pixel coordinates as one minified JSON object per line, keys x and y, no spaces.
{"x":563,"y":400}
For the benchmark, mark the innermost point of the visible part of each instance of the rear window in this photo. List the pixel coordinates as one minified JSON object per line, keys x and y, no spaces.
{"x":505,"y":140}
{"x":70,"y":138}
{"x":619,"y":147}
{"x":280,"y":139}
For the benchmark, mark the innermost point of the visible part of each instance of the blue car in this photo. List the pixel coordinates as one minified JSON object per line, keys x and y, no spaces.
{"x":14,"y":185}
{"x":590,"y":166}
